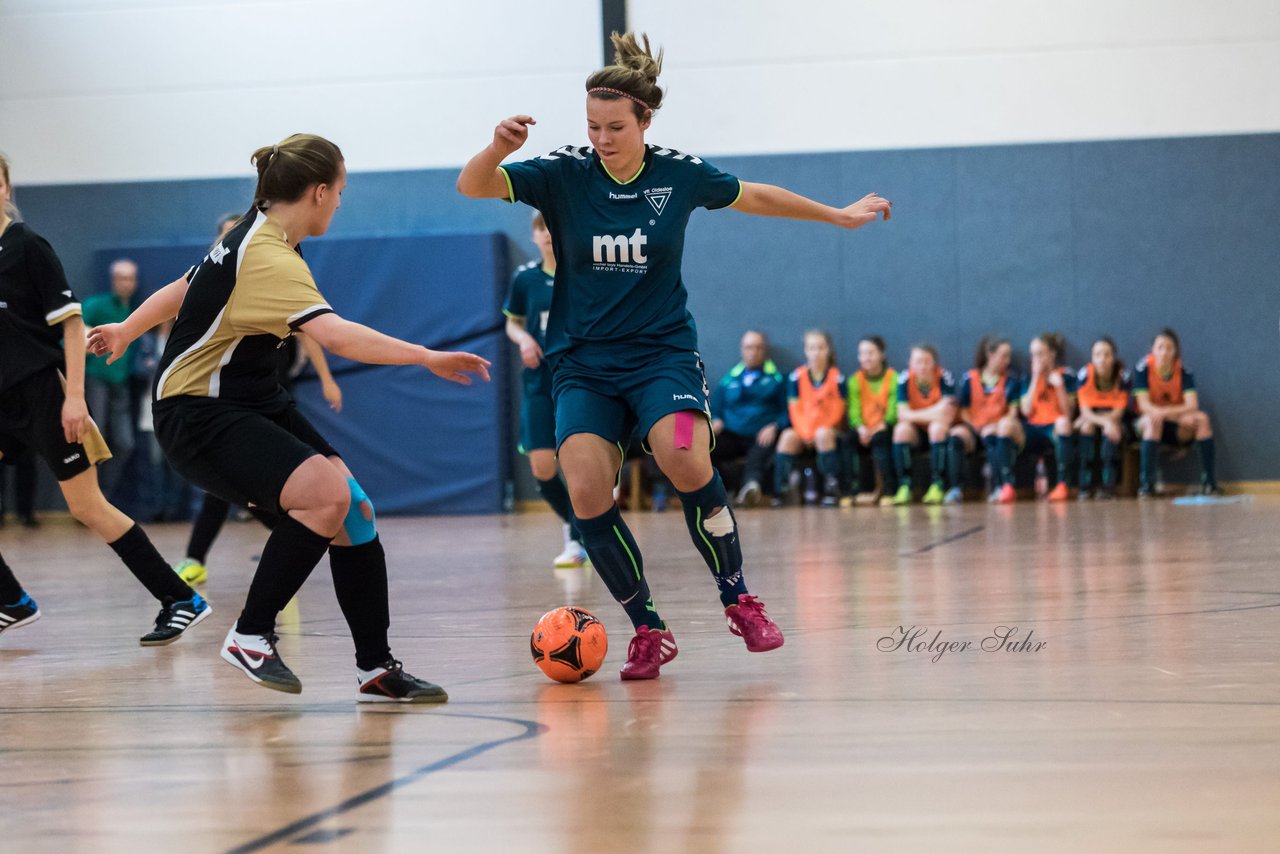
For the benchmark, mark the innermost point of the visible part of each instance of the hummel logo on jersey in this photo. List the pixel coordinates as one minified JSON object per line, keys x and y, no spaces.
{"x":68,"y":294}
{"x":70,"y":459}
{"x":615,"y":196}
{"x":217,"y":253}
{"x":684,"y":397}
{"x":619,"y":249}
{"x":658,"y":197}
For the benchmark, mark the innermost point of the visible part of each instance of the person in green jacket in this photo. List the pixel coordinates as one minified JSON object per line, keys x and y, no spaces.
{"x":107,"y":385}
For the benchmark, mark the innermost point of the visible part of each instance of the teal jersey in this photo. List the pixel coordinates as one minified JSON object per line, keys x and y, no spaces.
{"x":530,"y":300}
{"x":618,"y":245}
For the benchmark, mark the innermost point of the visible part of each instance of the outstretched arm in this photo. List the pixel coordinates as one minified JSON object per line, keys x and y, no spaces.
{"x":112,"y":339}
{"x":481,"y":178}
{"x":768,"y":200}
{"x":315,"y":354}
{"x":362,"y":344}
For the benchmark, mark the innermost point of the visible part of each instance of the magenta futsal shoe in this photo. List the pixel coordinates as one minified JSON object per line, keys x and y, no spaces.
{"x":648,"y":651}
{"x":748,"y":621}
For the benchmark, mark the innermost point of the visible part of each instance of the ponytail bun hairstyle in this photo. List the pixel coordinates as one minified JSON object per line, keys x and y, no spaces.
{"x":633,"y":75}
{"x":288,"y":168}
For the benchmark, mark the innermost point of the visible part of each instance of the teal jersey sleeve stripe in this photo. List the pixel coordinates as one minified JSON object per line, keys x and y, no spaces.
{"x":513,"y":315}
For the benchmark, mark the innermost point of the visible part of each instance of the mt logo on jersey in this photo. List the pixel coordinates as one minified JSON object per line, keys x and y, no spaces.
{"x":616,"y":250}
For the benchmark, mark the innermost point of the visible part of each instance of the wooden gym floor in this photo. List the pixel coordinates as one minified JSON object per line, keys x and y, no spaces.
{"x":1148,"y":719}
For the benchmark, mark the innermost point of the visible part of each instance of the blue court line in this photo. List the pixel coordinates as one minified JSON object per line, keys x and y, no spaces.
{"x":531,"y":729}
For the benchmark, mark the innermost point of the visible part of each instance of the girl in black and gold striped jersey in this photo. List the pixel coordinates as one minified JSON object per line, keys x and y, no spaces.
{"x":227,"y":425}
{"x":42,"y":408}
{"x":1102,"y":391}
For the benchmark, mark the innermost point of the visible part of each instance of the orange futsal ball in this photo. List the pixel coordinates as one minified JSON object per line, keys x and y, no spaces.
{"x":568,"y":644}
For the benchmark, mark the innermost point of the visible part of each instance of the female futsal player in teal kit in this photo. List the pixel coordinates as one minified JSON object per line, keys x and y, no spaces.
{"x":621,"y":342}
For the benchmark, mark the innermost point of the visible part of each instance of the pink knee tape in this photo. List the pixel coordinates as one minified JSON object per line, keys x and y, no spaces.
{"x":684,"y":430}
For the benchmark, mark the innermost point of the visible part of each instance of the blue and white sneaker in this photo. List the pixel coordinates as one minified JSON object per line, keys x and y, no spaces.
{"x":175,"y":618}
{"x":25,"y":612}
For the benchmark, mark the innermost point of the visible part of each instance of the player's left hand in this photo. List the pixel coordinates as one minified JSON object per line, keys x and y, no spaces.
{"x":332,"y":395}
{"x":75,"y":416}
{"x":1055,"y":379}
{"x":863,"y":211}
{"x":108,"y":340}
{"x":766,"y":436}
{"x":456,"y":367}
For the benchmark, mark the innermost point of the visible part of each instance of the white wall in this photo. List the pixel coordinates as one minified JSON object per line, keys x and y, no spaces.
{"x":115,"y":90}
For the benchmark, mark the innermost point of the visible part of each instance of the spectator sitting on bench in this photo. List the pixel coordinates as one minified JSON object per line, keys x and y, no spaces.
{"x":1169,"y":410}
{"x":749,"y":409}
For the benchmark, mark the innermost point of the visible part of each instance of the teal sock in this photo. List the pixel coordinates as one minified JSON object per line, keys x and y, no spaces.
{"x":1208,"y":473}
{"x":1109,"y":453}
{"x":902,"y":462}
{"x":1147,"y":470}
{"x":616,"y":558}
{"x":1005,"y":455}
{"x":553,"y":491}
{"x":782,"y":466}
{"x":1064,"y":451}
{"x":1086,"y":461}
{"x":937,"y":460}
{"x":829,"y":463}
{"x":721,"y":551}
{"x":955,"y":461}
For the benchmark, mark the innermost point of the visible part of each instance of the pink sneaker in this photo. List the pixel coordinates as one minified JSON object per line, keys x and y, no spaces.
{"x":648,"y":651}
{"x":1007,"y":494}
{"x":748,"y":621}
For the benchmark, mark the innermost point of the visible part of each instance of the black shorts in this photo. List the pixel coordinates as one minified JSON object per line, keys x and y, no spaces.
{"x":240,"y":455}
{"x":1169,"y":436}
{"x":31,"y":416}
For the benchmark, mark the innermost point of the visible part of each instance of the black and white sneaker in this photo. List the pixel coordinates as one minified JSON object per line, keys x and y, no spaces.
{"x":257,"y":657}
{"x":388,"y":683}
{"x":174,"y":620}
{"x":23,"y":613}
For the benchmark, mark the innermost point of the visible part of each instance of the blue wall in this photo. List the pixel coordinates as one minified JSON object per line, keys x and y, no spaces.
{"x":1085,"y":238}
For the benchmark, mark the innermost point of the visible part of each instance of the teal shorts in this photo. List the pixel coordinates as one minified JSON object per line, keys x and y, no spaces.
{"x":613,"y":392}
{"x":537,"y":422}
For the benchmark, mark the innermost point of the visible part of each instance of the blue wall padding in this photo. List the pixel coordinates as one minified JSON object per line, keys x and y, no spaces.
{"x":1119,"y":237}
{"x":416,"y":443}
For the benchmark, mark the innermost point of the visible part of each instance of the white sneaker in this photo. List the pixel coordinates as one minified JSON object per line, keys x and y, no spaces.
{"x":574,"y":556}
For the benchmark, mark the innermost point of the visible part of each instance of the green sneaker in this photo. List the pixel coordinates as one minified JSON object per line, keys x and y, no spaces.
{"x":192,"y":571}
{"x":902,"y":496}
{"x":934,"y":495}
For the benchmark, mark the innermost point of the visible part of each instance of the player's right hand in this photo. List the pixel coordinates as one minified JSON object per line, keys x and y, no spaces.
{"x":530,"y":354}
{"x":456,"y":367}
{"x":512,"y":133}
{"x":108,"y":340}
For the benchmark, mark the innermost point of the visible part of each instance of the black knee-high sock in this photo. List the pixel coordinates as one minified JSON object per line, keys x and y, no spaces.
{"x":1110,"y":450}
{"x":1005,"y":456}
{"x":213,"y":512}
{"x":10,"y":589}
{"x":268,"y":519}
{"x":553,"y":492}
{"x":937,"y":460}
{"x":991,"y":443}
{"x":722,"y":552}
{"x":902,"y":462}
{"x":1086,"y":460}
{"x":291,"y":552}
{"x":360,"y":583}
{"x":616,"y":558}
{"x":1208,"y":471}
{"x":882,"y":458}
{"x":139,"y":554}
{"x":955,"y":462}
{"x":1147,"y":469}
{"x":782,"y":466}
{"x":1064,"y":449}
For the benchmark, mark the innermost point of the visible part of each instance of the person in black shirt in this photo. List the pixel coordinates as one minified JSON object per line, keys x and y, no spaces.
{"x":44,"y":409}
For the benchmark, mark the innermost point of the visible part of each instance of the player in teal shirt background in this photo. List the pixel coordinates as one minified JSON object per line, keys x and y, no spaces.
{"x":527,"y":309}
{"x":621,"y":341}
